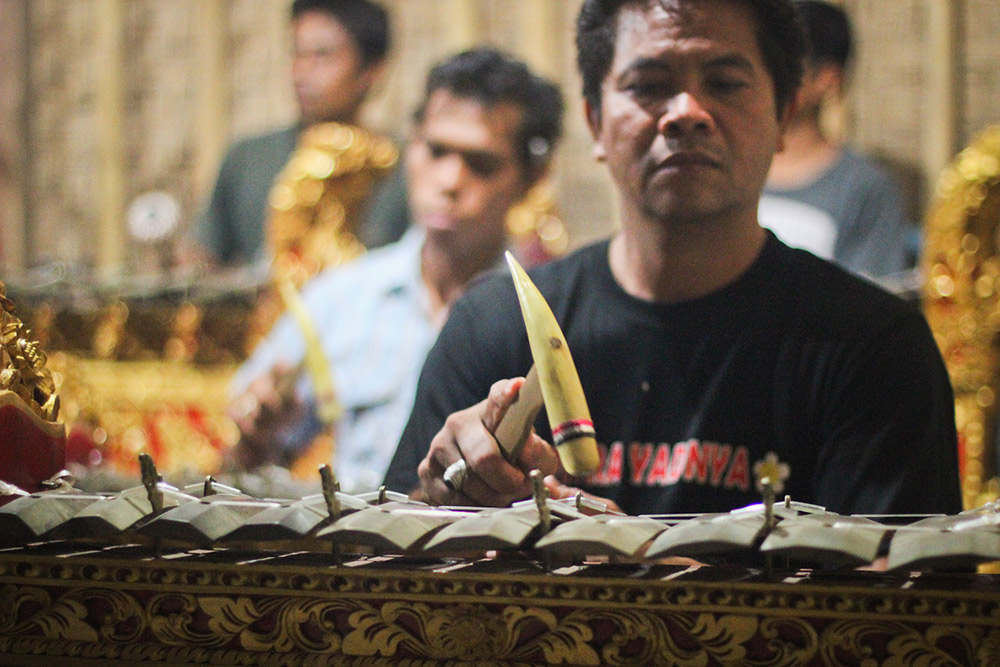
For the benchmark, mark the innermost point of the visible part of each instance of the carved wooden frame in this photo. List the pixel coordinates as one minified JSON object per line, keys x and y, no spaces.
{"x":123,"y":605}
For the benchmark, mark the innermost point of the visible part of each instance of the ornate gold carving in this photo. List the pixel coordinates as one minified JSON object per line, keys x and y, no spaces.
{"x":22,"y":363}
{"x":31,"y":610}
{"x":316,"y":203}
{"x":230,"y":630}
{"x":175,"y":411}
{"x":138,"y":609}
{"x":961,"y":262}
{"x":147,"y":374}
{"x":854,"y":642}
{"x":318,"y":196}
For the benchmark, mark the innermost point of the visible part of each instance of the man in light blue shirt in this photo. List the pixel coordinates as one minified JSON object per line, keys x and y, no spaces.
{"x":483,"y":136}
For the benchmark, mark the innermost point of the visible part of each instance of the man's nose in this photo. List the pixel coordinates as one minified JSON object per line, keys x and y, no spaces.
{"x":302,"y":71}
{"x":451,"y":172}
{"x":684,"y":114}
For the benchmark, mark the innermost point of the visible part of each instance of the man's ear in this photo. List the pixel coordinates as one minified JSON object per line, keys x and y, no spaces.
{"x":593,"y":117}
{"x":829,"y":79}
{"x":372,"y":74}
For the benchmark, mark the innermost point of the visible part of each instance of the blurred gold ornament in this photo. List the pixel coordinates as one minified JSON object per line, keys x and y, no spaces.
{"x":22,"y":363}
{"x":961,"y":300}
{"x":318,"y":197}
{"x":536,"y":229}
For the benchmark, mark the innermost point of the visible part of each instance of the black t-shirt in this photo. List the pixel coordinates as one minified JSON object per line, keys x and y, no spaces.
{"x":797,"y":359}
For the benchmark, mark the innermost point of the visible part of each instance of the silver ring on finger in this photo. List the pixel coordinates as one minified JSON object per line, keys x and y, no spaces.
{"x":454,"y":475}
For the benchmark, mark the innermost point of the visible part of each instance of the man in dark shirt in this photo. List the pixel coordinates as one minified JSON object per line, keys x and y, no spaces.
{"x":707,"y":348}
{"x":340,"y":48}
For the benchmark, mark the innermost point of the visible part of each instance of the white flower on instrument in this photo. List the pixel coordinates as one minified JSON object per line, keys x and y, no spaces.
{"x":770,"y":467}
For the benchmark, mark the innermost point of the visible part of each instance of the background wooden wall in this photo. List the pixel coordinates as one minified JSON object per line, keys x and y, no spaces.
{"x":103,"y":100}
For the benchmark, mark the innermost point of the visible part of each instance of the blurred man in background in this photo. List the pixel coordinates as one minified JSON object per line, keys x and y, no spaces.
{"x":821,"y":195}
{"x":484,"y":134}
{"x":340,"y":48}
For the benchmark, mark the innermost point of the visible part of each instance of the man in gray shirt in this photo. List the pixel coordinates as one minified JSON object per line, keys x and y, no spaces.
{"x":339,"y":52}
{"x":822,"y":196}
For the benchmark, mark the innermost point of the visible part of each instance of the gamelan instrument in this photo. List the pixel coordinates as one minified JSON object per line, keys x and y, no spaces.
{"x":209,"y":575}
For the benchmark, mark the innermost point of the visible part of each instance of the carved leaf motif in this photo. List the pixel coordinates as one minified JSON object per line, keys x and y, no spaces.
{"x":169,"y":627}
{"x":173,"y":620}
{"x":564,"y":643}
{"x":65,"y":619}
{"x":905,"y":647}
{"x":300,"y":625}
{"x":723,"y":636}
{"x":638,"y":633}
{"x":377,"y":633}
{"x":971,"y":637}
{"x":123,"y":618}
{"x":12,"y":598}
{"x":781,"y":634}
{"x":30,"y":610}
{"x":228,"y":617}
{"x":923,"y":651}
{"x":470,"y":632}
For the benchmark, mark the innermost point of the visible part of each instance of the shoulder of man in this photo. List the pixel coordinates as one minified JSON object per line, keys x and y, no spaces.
{"x":489,"y":310}
{"x":386,"y":267}
{"x":821,"y":291}
{"x":282,"y":139}
{"x":552,"y":277}
{"x":864,"y":169}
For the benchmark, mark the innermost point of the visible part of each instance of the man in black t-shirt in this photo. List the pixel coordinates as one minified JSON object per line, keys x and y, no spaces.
{"x":706,"y":348}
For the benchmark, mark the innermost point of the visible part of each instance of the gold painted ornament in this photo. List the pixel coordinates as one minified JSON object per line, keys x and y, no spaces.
{"x":961,"y":300}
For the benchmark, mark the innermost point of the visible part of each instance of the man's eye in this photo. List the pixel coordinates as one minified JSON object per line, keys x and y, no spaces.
{"x":313,"y":53}
{"x":727,"y":85}
{"x":482,"y":166}
{"x":437,"y":152}
{"x":645,"y":89}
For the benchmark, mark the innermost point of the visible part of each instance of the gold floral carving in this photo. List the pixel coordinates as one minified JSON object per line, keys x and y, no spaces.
{"x":475,"y":633}
{"x":174,"y":410}
{"x":66,"y":616}
{"x":155,"y":610}
{"x":853,"y":642}
{"x":316,"y":205}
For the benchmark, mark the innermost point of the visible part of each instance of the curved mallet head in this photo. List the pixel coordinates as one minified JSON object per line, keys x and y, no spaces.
{"x":565,"y":404}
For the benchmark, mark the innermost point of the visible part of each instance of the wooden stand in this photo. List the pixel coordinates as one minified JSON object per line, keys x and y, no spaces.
{"x":72,"y":605}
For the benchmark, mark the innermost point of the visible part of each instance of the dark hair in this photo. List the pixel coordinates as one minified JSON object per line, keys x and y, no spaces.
{"x":779,"y":36}
{"x":492,"y":77}
{"x":366,"y":21}
{"x":828,"y":32}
